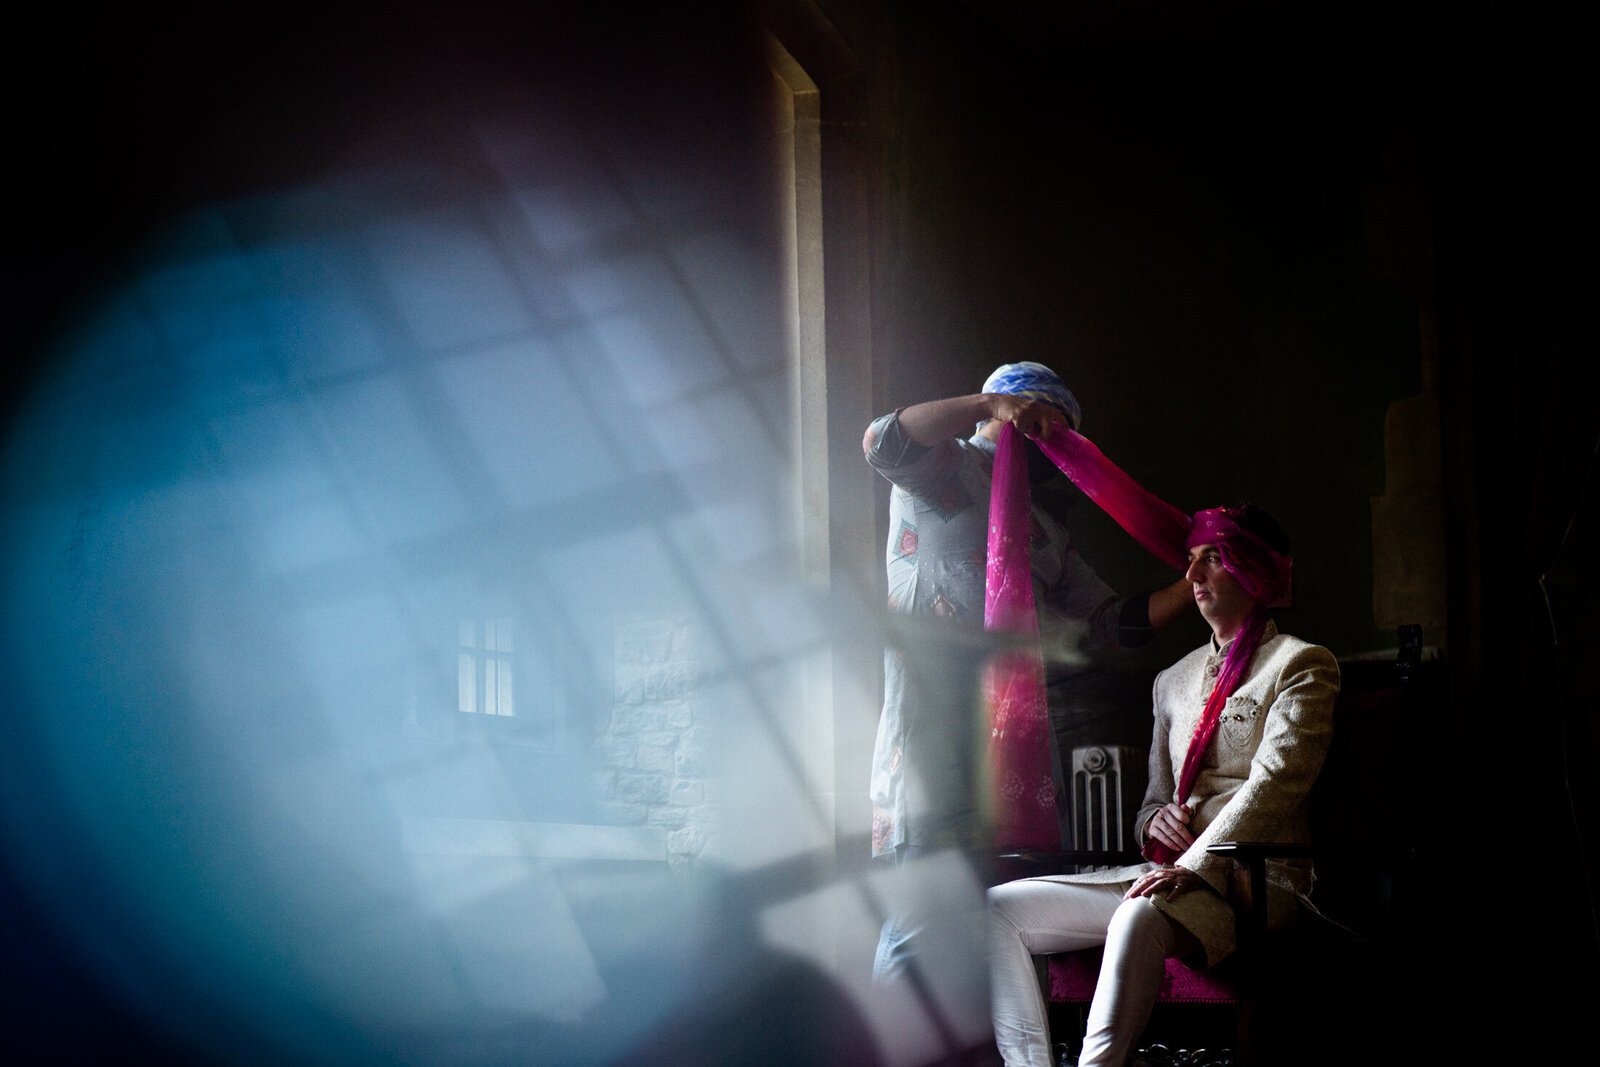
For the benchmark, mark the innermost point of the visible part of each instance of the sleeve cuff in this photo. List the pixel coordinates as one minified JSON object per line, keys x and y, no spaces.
{"x":1210,"y":872}
{"x":892,"y":446}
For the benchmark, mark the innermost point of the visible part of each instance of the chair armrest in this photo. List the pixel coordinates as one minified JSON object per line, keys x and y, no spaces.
{"x":1253,"y":856}
{"x":1055,"y":861}
{"x":1246,"y":851}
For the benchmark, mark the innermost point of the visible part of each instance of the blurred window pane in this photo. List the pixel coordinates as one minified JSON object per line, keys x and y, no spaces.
{"x":485,"y":667}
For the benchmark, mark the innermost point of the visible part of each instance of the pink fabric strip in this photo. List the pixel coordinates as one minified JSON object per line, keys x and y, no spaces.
{"x":1014,"y":682}
{"x":1024,"y":809}
{"x":1023,"y":789}
{"x":1151,"y":521}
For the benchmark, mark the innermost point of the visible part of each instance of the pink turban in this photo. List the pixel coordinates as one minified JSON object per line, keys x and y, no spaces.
{"x":1014,"y":683}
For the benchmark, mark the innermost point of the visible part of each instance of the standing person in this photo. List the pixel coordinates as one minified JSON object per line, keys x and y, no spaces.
{"x":922,"y":771}
{"x":1241,"y":728}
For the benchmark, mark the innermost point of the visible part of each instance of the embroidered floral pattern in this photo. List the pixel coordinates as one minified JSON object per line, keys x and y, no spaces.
{"x":882,"y":830}
{"x":905,"y":546}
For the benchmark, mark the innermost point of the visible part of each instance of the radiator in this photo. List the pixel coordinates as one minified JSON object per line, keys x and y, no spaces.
{"x":1106,"y":786}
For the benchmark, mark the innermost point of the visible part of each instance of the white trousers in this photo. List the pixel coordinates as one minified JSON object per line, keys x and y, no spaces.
{"x":1035,"y":917}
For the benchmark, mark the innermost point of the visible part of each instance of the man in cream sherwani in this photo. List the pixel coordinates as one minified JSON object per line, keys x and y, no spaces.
{"x":1241,"y":729}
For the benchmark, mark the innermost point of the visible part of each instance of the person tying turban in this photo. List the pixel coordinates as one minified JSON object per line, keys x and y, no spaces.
{"x":939,"y":458}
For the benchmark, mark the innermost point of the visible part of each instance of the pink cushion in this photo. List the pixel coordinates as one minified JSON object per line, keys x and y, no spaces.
{"x":1073,"y":974}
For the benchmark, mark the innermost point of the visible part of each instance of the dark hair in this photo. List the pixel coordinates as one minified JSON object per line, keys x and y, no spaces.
{"x":1255,"y":520}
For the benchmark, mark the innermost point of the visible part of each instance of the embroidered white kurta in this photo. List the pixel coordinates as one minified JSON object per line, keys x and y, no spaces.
{"x":937,"y":549}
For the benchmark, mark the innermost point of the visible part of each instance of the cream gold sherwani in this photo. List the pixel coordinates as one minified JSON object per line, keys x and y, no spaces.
{"x":1254,"y":785}
{"x":1255,"y":780}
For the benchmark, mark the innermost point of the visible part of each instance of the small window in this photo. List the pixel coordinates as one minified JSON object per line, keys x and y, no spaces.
{"x":485,"y":665}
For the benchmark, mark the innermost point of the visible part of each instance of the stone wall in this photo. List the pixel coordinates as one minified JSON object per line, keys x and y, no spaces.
{"x":655,"y":752}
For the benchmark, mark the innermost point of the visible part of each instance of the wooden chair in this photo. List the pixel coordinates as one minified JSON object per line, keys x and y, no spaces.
{"x":1278,"y":984}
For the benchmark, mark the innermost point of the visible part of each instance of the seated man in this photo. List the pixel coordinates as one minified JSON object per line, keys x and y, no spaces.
{"x":1241,"y":728}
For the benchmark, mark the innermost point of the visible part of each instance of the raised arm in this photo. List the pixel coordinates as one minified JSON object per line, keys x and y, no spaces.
{"x":931,"y":422}
{"x":1170,"y":602}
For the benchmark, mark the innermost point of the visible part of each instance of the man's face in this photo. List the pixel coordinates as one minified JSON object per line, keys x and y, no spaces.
{"x":1222,"y":601}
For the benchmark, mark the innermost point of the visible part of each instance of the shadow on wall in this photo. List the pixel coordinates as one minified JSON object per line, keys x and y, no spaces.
{"x":396,"y":587}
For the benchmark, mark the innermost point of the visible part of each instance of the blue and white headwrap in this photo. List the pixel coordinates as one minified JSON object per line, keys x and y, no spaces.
{"x":1039,"y":382}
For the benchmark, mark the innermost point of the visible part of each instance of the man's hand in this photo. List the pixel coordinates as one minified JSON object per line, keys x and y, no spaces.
{"x":1033,"y":417}
{"x":930,"y":422}
{"x":1171,"y":881}
{"x":1170,"y":826}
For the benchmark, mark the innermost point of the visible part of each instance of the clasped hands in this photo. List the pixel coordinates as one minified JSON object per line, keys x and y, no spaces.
{"x":1033,"y":417}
